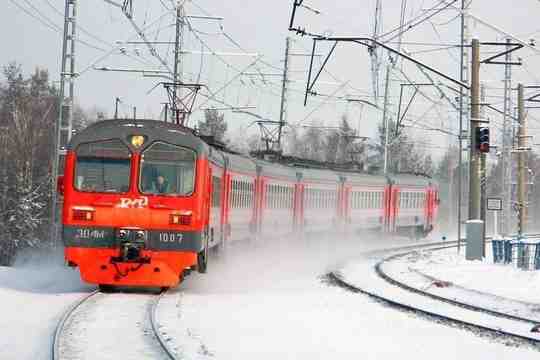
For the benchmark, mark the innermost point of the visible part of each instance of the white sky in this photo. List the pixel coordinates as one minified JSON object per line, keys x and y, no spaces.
{"x":261,"y":27}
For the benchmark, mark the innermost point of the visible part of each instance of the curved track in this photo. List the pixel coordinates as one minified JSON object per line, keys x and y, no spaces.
{"x":378,"y":269}
{"x":61,"y":327}
{"x":155,"y":327}
{"x":393,"y":281}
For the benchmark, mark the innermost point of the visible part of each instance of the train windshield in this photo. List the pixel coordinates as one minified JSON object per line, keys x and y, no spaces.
{"x":103,"y":166}
{"x":167,"y":169}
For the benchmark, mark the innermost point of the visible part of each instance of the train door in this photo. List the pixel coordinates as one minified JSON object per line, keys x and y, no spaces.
{"x":226,"y":206}
{"x":216,"y":205}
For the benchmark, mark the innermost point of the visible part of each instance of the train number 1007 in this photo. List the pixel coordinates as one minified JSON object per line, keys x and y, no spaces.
{"x":167,"y":237}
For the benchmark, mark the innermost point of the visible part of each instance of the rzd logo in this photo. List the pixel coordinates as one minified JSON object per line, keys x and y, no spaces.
{"x":133,"y":203}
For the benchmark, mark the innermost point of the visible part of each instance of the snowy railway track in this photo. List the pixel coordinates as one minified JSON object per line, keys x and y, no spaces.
{"x":60,"y":327}
{"x":131,"y":319}
{"x":155,"y":327}
{"x":449,"y":310}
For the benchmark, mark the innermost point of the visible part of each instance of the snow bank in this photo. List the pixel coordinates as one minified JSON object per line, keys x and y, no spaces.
{"x":485,"y":276}
{"x":33,"y":295}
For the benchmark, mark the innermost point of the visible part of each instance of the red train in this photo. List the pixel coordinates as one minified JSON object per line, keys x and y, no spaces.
{"x":145,"y":200}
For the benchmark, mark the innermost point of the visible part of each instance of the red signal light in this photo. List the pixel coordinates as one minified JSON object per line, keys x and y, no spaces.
{"x":482,"y":139}
{"x":484,"y":147}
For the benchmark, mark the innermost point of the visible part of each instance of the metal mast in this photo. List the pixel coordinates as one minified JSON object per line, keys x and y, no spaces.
{"x":483,"y":163}
{"x":464,"y":71}
{"x":506,"y":180}
{"x":177,"y":60}
{"x":63,"y":127}
{"x":385,"y":120}
{"x":375,"y":60}
{"x":285,"y":81}
{"x":475,"y":162}
{"x":522,"y":168}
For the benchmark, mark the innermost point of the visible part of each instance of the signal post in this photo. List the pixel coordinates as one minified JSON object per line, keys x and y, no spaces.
{"x":475,"y":167}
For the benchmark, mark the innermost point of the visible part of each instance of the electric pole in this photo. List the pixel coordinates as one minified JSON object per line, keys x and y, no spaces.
{"x":375,"y":61}
{"x":506,"y":180}
{"x":483,"y":172}
{"x":116,"y":102}
{"x":64,"y":125}
{"x":177,"y":65}
{"x":284,"y":84}
{"x":385,"y":120}
{"x":464,"y":77}
{"x":475,"y":162}
{"x":522,"y":168}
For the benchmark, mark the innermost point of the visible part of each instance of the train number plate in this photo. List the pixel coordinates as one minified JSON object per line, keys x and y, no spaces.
{"x":92,"y":234}
{"x":170,"y":237}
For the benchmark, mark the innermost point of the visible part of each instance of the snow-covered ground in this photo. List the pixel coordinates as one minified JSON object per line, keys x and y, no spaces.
{"x":257,"y":301}
{"x":485,"y":276}
{"x":33,"y":296}
{"x":272,"y":303}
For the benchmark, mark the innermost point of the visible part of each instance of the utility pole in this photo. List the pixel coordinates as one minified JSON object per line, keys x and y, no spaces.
{"x":385,"y":120}
{"x":464,"y":74}
{"x":64,"y":125}
{"x":166,"y":111}
{"x":177,"y":65}
{"x":475,"y":162}
{"x":116,"y":102}
{"x":134,"y":113}
{"x":375,"y":61}
{"x":522,"y":168}
{"x":483,"y":172}
{"x":284,"y":84}
{"x":506,"y":180}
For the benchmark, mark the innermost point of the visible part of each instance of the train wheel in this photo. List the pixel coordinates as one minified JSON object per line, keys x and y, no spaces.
{"x":202,"y":260}
{"x":202,"y":256}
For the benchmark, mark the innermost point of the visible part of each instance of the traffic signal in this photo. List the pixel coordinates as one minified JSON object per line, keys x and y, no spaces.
{"x":482,"y":139}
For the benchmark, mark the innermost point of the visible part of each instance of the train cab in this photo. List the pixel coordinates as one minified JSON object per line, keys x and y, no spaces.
{"x":135,"y":208}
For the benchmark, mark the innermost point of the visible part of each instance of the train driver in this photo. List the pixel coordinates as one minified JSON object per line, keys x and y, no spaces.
{"x":160,"y":185}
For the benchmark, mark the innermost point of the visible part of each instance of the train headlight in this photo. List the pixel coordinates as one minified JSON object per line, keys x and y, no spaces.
{"x":137,"y":140}
{"x":180,"y":219}
{"x":83,"y":214}
{"x":140,"y":236}
{"x":122,"y":234}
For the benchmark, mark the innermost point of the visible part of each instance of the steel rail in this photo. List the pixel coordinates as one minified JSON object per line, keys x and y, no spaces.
{"x":155,"y":328}
{"x":60,"y":326}
{"x":380,"y":272}
{"x":338,"y":279}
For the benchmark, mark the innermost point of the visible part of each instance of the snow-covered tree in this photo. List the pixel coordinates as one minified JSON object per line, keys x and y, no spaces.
{"x":213,"y":125}
{"x":28,"y":109}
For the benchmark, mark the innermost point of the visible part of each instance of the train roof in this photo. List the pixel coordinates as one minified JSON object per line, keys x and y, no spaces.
{"x":276,"y":170}
{"x":410,"y":180}
{"x":364,"y":178}
{"x":153,"y":129}
{"x":318,"y":175}
{"x":240,"y":163}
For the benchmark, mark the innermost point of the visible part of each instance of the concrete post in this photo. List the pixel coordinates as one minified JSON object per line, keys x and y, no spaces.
{"x":475,"y":240}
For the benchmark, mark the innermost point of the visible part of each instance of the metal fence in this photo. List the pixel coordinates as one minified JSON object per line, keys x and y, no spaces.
{"x":524,"y":255}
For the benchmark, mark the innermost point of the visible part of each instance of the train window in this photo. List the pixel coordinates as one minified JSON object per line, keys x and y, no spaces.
{"x":103,"y":166}
{"x":167,"y":169}
{"x":216,"y":192}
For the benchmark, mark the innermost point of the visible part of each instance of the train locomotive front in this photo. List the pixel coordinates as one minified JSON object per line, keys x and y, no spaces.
{"x":135,"y":206}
